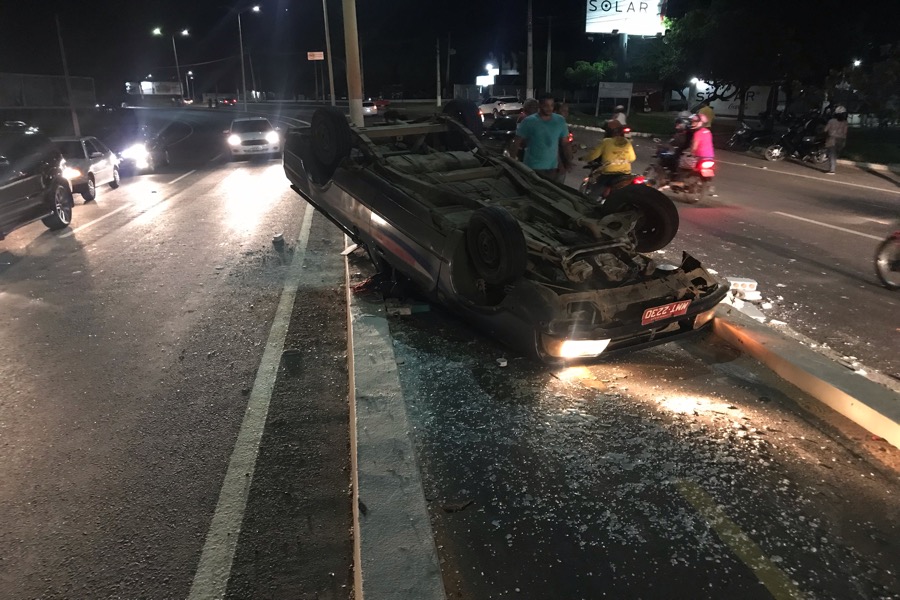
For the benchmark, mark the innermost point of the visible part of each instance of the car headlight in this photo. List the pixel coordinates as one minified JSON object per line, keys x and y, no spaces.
{"x":272,"y":137}
{"x":561,"y":348}
{"x":135,"y":152}
{"x":234,"y":140}
{"x":71,"y":173}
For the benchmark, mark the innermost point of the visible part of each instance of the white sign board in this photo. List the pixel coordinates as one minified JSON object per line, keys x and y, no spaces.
{"x":755,"y":99}
{"x":315,"y":56}
{"x":634,"y":17}
{"x":607,"y":89}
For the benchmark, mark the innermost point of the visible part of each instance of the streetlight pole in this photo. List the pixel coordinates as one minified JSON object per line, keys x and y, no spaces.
{"x":328,"y":49}
{"x":354,"y":80}
{"x":184,"y":32}
{"x":241,"y":41}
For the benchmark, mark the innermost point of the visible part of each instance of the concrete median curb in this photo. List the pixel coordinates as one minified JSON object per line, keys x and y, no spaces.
{"x":394,"y":553}
{"x":866,"y":403}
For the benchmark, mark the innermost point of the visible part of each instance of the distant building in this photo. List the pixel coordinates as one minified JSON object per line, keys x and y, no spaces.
{"x":20,"y":90}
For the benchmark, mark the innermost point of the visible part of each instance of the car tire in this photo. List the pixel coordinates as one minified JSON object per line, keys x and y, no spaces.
{"x":89,"y":191}
{"x":330,"y":137}
{"x":496,"y":245}
{"x":62,"y":209}
{"x":116,"y":180}
{"x":466,"y":113}
{"x":658,"y":221}
{"x":887,"y":256}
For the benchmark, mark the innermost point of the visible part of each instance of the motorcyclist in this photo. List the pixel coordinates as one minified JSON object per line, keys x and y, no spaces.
{"x":614,"y":155}
{"x":680,"y":142}
{"x":701,"y":141}
{"x":619,"y":115}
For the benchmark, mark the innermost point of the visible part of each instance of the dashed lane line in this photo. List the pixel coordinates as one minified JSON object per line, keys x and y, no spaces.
{"x":72,"y":232}
{"x":214,"y":568}
{"x":829,"y":226}
{"x":177,"y":179}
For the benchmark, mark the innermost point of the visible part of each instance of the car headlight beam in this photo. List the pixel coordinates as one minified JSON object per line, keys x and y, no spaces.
{"x":272,"y":137}
{"x":234,"y":140}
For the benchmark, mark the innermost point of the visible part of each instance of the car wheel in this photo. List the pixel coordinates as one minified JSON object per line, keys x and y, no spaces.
{"x":466,"y":113}
{"x":89,"y":191}
{"x":658,"y":220}
{"x":62,"y":209}
{"x":775,"y":152}
{"x":116,"y":179}
{"x":496,"y":245}
{"x":331,"y":141}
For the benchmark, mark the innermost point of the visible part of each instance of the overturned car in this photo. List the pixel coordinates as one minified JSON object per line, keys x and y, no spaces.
{"x":543,"y":268}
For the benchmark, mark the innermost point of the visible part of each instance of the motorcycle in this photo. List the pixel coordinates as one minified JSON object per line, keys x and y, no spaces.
{"x":887,"y":261}
{"x":799,"y":142}
{"x":669,"y":173}
{"x":592,"y":187}
{"x":748,"y":138}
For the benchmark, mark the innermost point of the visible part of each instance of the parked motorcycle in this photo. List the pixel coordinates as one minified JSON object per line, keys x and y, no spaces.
{"x":801,"y":142}
{"x":887,"y":261}
{"x":750,"y":138}
{"x":670,"y":173}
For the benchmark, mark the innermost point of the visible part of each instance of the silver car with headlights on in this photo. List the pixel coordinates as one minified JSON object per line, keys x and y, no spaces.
{"x":253,"y":136}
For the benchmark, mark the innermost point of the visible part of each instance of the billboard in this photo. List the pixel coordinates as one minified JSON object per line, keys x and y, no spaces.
{"x":634,"y":17}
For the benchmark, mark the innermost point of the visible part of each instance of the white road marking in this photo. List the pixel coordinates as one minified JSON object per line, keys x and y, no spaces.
{"x":177,"y":179}
{"x":822,"y":179}
{"x":214,"y":569}
{"x":95,"y":221}
{"x":844,"y":229}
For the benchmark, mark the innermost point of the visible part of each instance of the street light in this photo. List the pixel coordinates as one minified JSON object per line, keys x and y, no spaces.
{"x":187,"y":85}
{"x":857,"y":62}
{"x":183,"y":33}
{"x":241,"y":41}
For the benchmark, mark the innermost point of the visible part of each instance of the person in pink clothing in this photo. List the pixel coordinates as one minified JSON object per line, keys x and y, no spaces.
{"x":701,"y":142}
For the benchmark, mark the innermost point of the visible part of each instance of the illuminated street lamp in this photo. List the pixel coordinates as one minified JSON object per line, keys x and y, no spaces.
{"x":187,"y":85}
{"x":183,"y":33}
{"x":857,"y":62}
{"x":241,"y":41}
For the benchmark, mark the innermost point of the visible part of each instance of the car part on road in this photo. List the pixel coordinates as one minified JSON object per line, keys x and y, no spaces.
{"x":532,"y":262}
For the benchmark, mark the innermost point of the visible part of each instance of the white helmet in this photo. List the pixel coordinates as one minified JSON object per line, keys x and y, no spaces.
{"x":839,"y":109}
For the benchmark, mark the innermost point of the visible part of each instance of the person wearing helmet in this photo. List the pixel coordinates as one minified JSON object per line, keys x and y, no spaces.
{"x":701,"y":141}
{"x":614,"y":154}
{"x":619,"y":115}
{"x":836,"y":130}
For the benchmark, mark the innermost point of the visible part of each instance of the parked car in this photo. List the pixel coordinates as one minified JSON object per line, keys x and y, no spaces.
{"x":228,"y":101}
{"x":89,"y":164}
{"x":499,"y":133}
{"x":253,"y":136}
{"x":32,"y":185}
{"x":548,"y":271}
{"x":499,"y":107}
{"x":370,"y":108}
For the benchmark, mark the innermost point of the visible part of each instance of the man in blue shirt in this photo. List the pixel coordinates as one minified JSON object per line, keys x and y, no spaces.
{"x":546,"y":138}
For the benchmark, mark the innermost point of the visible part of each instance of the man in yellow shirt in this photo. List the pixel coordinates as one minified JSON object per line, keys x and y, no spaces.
{"x":615,"y":155}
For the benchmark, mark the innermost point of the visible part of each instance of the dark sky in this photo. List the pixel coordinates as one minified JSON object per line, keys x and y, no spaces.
{"x":111,"y":41}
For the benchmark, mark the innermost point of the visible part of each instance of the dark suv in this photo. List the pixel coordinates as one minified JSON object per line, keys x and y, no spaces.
{"x":32,"y":186}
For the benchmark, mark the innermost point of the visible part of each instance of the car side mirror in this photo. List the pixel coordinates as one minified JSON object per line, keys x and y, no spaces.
{"x":226,"y":131}
{"x":96,"y":155}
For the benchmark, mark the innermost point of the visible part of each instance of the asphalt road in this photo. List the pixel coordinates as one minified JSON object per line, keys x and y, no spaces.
{"x":133,"y":349}
{"x":174,"y":416}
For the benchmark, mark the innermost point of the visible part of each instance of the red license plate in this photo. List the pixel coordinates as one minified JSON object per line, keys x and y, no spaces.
{"x":658,"y":313}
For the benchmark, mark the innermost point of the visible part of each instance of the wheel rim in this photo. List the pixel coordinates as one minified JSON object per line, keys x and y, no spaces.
{"x":488,"y":250}
{"x":887,"y":263}
{"x":116,"y":177}
{"x":774,"y":152}
{"x":62,"y":209}
{"x":92,"y":188}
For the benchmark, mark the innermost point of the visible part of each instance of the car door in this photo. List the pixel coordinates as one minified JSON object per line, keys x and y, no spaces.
{"x":21,"y":188}
{"x":100,"y":160}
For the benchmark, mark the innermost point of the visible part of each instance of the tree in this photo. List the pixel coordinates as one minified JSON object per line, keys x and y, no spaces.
{"x":587,"y":74}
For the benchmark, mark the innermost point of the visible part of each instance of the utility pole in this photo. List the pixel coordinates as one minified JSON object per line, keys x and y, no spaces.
{"x":62,"y":51}
{"x":252,"y":76}
{"x":354,"y":82}
{"x":549,"y":35}
{"x":529,"y":69}
{"x":328,"y":49}
{"x":447,"y":77}
{"x":437,"y":49}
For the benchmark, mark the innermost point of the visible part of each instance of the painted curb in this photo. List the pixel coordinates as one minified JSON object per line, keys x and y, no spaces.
{"x":866,"y":403}
{"x":394,"y":553}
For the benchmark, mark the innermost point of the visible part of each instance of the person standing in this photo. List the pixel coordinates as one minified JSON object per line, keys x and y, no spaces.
{"x":836,"y":132}
{"x":546,"y":138}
